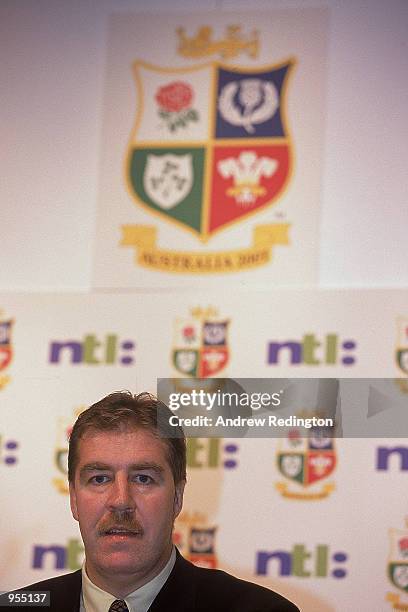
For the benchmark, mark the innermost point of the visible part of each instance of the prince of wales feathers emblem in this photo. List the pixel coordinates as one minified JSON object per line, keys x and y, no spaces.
{"x":210,"y":147}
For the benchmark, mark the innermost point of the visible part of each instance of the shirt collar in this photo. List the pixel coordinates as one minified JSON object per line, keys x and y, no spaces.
{"x":140,"y":600}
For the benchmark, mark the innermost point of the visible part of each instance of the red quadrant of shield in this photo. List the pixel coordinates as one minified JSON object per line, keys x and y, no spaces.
{"x":319,"y":465}
{"x":212,"y":361}
{"x":243,"y":183}
{"x":5,"y":356}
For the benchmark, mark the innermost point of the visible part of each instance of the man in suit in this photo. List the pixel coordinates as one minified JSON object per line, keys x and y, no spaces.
{"x":127,"y":472}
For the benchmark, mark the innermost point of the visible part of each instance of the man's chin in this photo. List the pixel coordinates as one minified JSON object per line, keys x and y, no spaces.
{"x":119,"y":562}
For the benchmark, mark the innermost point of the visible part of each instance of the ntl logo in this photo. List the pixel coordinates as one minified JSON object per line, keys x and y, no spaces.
{"x":61,"y":557}
{"x":384,"y":454}
{"x":92,"y":351}
{"x":211,"y":453}
{"x":302,"y":563}
{"x":8,"y":449}
{"x":310,"y":351}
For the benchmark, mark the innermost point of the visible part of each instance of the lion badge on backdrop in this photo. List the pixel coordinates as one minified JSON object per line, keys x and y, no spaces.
{"x":200,"y":348}
{"x":195,"y":539}
{"x":6,"y":349}
{"x":397,"y":567}
{"x":401,"y":352}
{"x":306,"y":463}
{"x":64,"y":427}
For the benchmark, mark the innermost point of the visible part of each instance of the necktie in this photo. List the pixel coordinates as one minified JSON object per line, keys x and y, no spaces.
{"x":119,"y":606}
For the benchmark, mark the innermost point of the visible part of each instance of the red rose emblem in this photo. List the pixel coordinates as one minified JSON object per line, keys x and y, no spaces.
{"x":189,"y":333}
{"x":174,"y":97}
{"x":403,"y":545}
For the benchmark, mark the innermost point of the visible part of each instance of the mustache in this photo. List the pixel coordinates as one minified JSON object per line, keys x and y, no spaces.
{"x":123,"y":521}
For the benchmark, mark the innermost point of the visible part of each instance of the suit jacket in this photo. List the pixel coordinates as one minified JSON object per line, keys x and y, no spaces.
{"x":188,"y":589}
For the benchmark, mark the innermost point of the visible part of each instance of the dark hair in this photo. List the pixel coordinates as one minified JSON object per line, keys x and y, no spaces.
{"x":120,"y":411}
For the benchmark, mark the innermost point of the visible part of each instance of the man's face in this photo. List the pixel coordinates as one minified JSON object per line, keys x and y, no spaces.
{"x":125,"y":500}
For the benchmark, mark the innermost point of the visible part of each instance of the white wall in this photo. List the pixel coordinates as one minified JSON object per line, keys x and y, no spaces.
{"x":52,"y":69}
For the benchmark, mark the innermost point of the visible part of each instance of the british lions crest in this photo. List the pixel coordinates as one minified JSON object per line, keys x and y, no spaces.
{"x":306,"y":463}
{"x":210,"y":148}
{"x":401,"y":352}
{"x":6,"y":349}
{"x":64,"y":429}
{"x":397,"y":568}
{"x":195,"y":539}
{"x":200,"y":347}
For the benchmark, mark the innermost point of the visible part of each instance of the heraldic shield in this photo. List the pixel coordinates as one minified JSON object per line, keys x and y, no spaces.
{"x":401,"y":352}
{"x":398,"y":559}
{"x":210,"y":145}
{"x":200,"y":347}
{"x":307,"y":460}
{"x":6,"y":350}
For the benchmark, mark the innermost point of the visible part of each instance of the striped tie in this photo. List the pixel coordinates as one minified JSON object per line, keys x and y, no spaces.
{"x":119,"y":606}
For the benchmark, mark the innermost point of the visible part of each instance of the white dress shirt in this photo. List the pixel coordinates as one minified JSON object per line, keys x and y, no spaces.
{"x":94,"y":599}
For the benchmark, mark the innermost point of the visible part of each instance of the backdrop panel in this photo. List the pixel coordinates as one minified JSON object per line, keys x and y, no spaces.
{"x":212,"y":149}
{"x":336,"y":543}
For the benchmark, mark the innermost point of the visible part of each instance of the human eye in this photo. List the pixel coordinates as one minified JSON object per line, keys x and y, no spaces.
{"x":99,"y":479}
{"x":143,"y":479}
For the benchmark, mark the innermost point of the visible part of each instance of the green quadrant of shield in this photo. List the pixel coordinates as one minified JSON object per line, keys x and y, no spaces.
{"x":391,"y":569}
{"x":298,"y":477}
{"x":402,"y":361}
{"x":188,"y":211}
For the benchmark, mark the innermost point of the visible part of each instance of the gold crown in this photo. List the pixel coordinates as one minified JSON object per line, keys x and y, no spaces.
{"x":203,"y":44}
{"x":204,"y":313}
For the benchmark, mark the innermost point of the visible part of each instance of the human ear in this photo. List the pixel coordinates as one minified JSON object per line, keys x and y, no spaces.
{"x":73,"y":501}
{"x":178,"y":497}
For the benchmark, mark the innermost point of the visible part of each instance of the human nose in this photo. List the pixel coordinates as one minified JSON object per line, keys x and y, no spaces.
{"x":120,"y":497}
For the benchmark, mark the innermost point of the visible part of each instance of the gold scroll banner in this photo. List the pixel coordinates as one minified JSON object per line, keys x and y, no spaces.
{"x":4,"y":380}
{"x":394,"y":599}
{"x":61,"y":485}
{"x":403,"y":384}
{"x":148,"y":255}
{"x":286,"y":492}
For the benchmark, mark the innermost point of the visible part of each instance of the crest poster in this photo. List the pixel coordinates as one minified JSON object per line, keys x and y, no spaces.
{"x":211,"y":152}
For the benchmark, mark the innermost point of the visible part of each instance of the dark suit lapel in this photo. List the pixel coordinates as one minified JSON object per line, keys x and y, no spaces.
{"x":179,"y":592}
{"x":67,"y":597}
{"x":65,"y":593}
